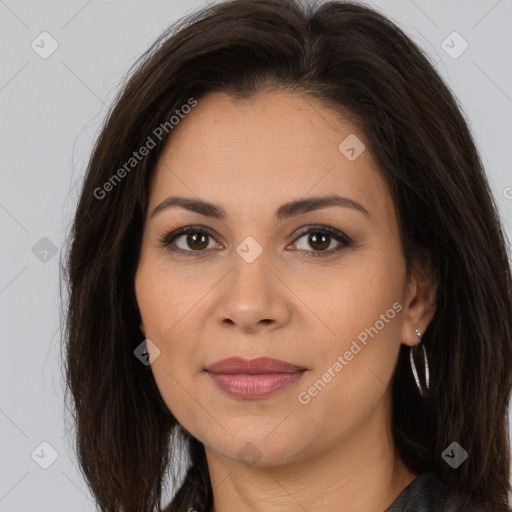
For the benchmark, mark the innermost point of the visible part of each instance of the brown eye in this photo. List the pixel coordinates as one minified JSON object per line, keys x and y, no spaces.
{"x":188,"y":240}
{"x":320,"y":239}
{"x":197,"y":240}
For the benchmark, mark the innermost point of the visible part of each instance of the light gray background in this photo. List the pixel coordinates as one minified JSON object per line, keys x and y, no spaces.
{"x":51,"y":110}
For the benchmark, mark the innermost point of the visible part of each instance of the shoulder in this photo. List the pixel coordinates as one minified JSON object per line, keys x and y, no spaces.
{"x":426,"y":493}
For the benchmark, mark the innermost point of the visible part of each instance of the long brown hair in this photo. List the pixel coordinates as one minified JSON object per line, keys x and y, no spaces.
{"x":352,"y":58}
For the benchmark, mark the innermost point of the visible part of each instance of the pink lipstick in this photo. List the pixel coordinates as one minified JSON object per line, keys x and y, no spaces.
{"x":254,"y":378}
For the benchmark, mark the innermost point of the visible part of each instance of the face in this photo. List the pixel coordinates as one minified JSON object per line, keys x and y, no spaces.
{"x":320,"y":286}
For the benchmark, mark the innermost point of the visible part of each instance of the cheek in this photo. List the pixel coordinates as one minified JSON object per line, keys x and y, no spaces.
{"x":355,"y":297}
{"x":161,"y":302}
{"x":361,"y":309}
{"x":352,"y":374}
{"x":170,"y":314}
{"x":163,"y":308}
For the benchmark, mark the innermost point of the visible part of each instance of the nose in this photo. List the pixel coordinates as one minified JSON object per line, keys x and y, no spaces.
{"x":253,"y":297}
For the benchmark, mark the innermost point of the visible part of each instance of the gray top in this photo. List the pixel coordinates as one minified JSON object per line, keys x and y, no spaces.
{"x":426,"y":494}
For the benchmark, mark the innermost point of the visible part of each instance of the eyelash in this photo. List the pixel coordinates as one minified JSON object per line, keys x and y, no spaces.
{"x":340,"y":237}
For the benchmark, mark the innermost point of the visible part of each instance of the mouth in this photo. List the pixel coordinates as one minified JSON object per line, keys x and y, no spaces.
{"x":253,"y":379}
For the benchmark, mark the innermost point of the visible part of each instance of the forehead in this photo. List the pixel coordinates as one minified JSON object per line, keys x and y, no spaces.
{"x":276,"y":144}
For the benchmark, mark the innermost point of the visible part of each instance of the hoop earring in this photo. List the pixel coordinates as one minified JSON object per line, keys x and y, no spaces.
{"x":423,"y":392}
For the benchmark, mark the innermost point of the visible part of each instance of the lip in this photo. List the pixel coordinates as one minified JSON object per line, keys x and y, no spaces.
{"x":255,"y":378}
{"x":260,"y":365}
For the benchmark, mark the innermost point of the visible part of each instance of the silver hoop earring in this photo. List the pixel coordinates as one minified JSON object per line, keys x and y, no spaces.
{"x":423,"y":392}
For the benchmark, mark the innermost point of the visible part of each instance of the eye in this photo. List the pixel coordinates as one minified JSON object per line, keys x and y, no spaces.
{"x":320,"y":238}
{"x":195,"y":240}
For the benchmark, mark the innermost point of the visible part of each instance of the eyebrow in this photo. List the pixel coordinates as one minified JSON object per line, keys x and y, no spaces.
{"x":285,"y":211}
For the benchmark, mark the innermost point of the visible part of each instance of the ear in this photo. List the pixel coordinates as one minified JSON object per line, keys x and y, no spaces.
{"x":420,"y":300}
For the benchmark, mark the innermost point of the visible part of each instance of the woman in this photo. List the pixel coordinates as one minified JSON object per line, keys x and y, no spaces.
{"x":286,"y":221}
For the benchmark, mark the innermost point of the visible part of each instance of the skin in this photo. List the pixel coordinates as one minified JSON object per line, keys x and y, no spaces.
{"x":251,"y":157}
